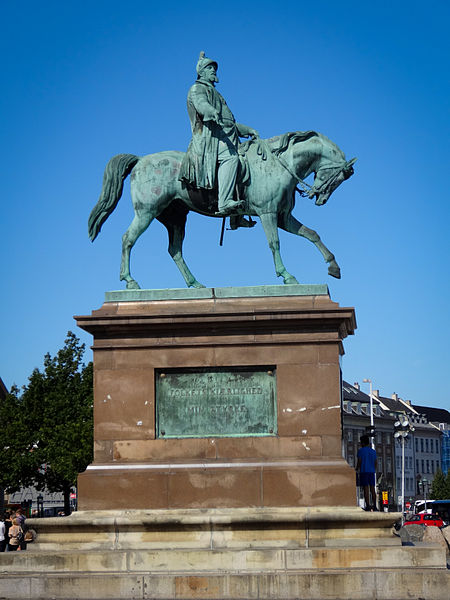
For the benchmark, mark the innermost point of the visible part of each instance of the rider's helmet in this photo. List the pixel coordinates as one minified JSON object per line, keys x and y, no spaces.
{"x":203,"y":62}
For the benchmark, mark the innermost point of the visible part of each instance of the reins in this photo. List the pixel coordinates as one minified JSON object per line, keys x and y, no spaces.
{"x":304,"y":188}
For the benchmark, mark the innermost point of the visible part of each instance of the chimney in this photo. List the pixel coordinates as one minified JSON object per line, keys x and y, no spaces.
{"x":408,"y":402}
{"x":356,"y":385}
{"x":376,"y":393}
{"x":394,"y":396}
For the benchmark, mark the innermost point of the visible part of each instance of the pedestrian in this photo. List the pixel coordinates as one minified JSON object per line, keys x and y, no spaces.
{"x":367,"y":467}
{"x":2,"y":534}
{"x":15,"y":534}
{"x":20,"y":517}
{"x":8,"y":523}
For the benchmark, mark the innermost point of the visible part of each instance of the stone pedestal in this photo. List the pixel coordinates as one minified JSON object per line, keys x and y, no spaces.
{"x":294,"y":333}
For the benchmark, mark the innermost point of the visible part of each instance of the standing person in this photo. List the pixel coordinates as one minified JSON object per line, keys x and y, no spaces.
{"x":215,"y":139}
{"x":2,"y":534}
{"x":15,"y":534}
{"x":20,"y":517}
{"x":367,"y":467}
{"x":8,"y":523}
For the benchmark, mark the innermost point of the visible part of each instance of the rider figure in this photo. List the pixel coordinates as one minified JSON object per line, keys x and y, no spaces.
{"x":215,"y":138}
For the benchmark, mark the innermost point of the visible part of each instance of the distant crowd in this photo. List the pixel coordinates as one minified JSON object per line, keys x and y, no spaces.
{"x":14,"y":534}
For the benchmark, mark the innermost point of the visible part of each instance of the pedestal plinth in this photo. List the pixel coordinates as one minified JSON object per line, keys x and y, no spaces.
{"x":217,"y":398}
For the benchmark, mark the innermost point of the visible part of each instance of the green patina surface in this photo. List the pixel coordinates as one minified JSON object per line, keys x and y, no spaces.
{"x":216,"y":402}
{"x":219,"y":176}
{"x":225,"y":292}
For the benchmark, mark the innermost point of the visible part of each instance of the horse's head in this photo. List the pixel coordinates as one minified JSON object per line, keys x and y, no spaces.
{"x":328,"y":178}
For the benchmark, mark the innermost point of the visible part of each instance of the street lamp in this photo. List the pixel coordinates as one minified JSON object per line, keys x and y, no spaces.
{"x":424,"y":491}
{"x":402,"y":429}
{"x":369,"y":381}
{"x":40,"y":505}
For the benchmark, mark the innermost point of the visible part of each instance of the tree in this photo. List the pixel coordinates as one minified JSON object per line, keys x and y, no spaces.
{"x":48,"y":428}
{"x":438,"y":486}
{"x":447,"y":486}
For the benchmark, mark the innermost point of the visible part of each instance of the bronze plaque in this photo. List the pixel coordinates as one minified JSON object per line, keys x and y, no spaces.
{"x":216,"y":402}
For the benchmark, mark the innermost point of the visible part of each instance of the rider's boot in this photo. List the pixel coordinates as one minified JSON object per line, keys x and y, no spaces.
{"x":228,"y":208}
{"x":237,"y":221}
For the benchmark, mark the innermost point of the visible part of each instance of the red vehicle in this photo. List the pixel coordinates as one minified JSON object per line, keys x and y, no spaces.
{"x":425,"y":519}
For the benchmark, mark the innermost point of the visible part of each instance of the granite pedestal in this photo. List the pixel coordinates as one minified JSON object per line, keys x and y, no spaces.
{"x":294,"y":333}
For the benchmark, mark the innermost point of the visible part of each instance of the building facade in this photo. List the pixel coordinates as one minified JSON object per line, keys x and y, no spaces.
{"x":426,"y":449}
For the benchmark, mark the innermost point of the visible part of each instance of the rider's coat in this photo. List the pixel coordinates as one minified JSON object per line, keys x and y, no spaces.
{"x":200,"y":161}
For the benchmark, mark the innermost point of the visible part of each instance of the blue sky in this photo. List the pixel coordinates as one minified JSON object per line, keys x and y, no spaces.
{"x":83,"y":81}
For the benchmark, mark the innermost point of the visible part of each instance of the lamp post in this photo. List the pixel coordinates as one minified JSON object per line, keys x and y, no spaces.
{"x":369,"y":381}
{"x":402,"y":429}
{"x":40,"y":505}
{"x":425,"y":489}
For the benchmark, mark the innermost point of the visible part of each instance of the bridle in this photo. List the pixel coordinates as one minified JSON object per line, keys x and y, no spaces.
{"x":346,"y":168}
{"x":303,"y":188}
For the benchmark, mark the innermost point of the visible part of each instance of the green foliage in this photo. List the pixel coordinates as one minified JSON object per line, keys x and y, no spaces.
{"x":447,"y":487}
{"x":438,"y":486}
{"x":47,"y":429}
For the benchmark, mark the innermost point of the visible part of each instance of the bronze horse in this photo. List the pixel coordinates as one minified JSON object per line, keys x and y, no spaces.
{"x":275,"y":167}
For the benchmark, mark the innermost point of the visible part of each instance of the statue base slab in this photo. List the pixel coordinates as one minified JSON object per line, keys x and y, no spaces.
{"x":288,"y":553}
{"x":231,"y":452}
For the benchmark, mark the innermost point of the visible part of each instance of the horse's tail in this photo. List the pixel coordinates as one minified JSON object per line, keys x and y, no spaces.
{"x":116,"y":171}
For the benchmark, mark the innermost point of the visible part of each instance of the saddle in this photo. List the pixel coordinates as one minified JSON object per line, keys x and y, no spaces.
{"x":206,"y":201}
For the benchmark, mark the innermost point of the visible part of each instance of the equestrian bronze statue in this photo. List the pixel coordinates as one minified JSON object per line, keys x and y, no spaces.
{"x":220,"y":177}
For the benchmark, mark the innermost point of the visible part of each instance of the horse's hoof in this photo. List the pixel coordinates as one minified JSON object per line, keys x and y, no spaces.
{"x":133,"y":285}
{"x":196,"y":284}
{"x":334,"y":271}
{"x":290,"y":280}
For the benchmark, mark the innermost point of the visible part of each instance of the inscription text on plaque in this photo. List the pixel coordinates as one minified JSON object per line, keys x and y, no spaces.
{"x":216,"y":402}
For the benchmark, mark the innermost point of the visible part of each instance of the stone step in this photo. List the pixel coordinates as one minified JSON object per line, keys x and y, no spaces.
{"x":215,"y":528}
{"x":226,"y":542}
{"x":356,"y":584}
{"x":237,"y":561}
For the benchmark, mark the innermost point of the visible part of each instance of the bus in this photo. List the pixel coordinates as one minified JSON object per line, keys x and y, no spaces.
{"x":435,"y":507}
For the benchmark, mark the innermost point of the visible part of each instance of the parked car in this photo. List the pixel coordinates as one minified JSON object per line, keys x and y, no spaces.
{"x":425,"y":519}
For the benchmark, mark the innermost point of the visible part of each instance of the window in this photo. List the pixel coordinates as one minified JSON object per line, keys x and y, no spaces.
{"x":432,"y":466}
{"x":428,"y":466}
{"x":380,"y":464}
{"x":426,"y":445}
{"x":437,"y":446}
{"x":350,"y":435}
{"x":388,"y":439}
{"x":388,"y":464}
{"x":417,"y":444}
{"x":421,"y":444}
{"x":423,"y":466}
{"x":417,"y":465}
{"x":379,"y":437}
{"x":351,"y":460}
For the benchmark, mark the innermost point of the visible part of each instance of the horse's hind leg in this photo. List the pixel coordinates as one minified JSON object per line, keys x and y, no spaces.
{"x":138,"y":225}
{"x":175,"y":224}
{"x":269,"y":223}
{"x":290,"y":224}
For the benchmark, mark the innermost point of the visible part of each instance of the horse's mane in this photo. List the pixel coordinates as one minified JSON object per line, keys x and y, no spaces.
{"x":292,"y":137}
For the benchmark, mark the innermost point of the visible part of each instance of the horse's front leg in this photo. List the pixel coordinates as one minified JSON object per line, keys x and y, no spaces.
{"x":290,"y":224}
{"x":269,"y":223}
